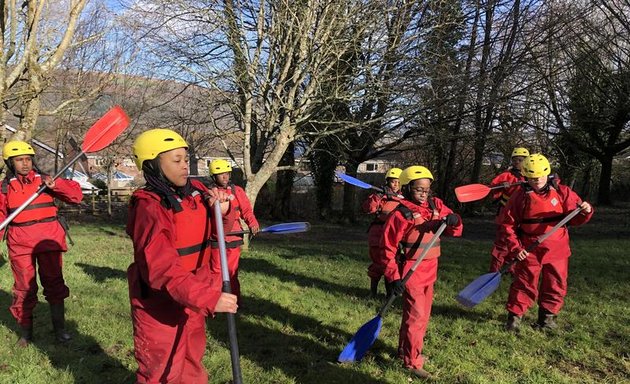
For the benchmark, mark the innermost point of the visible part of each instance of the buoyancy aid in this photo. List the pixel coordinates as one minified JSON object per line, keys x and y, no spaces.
{"x":541,"y":211}
{"x":42,"y":209}
{"x":386,"y":207}
{"x":192,"y":230}
{"x":416,"y":239}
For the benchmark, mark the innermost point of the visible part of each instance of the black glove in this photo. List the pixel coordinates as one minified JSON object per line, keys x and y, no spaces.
{"x":451,"y":219}
{"x":397,"y":287}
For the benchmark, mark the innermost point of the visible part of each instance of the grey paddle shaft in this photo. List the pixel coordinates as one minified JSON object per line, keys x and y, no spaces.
{"x":234,"y":355}
{"x":543,"y":237}
{"x":425,"y":251}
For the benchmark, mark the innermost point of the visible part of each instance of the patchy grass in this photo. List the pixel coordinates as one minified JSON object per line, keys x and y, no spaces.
{"x":305,"y":296}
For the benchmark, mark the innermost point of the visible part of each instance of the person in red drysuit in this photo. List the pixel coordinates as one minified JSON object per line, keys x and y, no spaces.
{"x":239,"y":207}
{"x":410,"y":227}
{"x":35,"y":238}
{"x":509,"y":180}
{"x":531,"y":211}
{"x":380,"y":205}
{"x":170,"y":287}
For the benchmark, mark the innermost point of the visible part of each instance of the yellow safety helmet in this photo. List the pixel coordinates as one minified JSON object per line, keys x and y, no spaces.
{"x":414,"y":172}
{"x":393,"y":173}
{"x":520,"y":152}
{"x":155,"y":141}
{"x":219,"y":166}
{"x":16,"y":148}
{"x":536,"y":165}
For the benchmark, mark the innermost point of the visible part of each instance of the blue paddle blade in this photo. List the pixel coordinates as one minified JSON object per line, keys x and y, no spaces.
{"x":296,"y":227}
{"x":362,"y":341}
{"x":478,"y":290}
{"x":353,"y":181}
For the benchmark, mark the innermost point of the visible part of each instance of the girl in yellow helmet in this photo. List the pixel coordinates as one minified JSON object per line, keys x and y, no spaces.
{"x":380,"y":205}
{"x":170,"y":286}
{"x":541,"y":273}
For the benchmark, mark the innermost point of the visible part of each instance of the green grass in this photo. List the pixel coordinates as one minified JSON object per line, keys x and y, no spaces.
{"x":305,"y":297}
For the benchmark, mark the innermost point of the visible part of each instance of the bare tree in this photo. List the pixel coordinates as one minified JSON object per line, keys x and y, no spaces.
{"x":34,"y":38}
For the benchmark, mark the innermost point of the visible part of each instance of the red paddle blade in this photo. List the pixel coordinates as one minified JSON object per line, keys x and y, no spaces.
{"x":471,"y":192}
{"x":105,"y":130}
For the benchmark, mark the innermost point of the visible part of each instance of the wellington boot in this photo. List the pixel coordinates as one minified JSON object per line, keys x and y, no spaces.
{"x":546,"y":320}
{"x":26,"y":335}
{"x":419,"y":372}
{"x":374,"y":288}
{"x":57,"y":314}
{"x":513,"y":322}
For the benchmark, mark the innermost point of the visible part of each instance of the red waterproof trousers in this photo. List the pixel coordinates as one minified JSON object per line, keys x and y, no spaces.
{"x":553,"y":286}
{"x":24,"y":268}
{"x":417,"y":302}
{"x":176,"y":339}
{"x":233,"y":258}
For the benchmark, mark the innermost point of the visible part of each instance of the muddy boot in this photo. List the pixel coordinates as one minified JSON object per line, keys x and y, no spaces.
{"x":546,"y":320}
{"x":26,"y":335}
{"x":513,"y":322}
{"x":57,"y":314}
{"x":420,"y":373}
{"x":374,"y":288}
{"x":388,"y":289}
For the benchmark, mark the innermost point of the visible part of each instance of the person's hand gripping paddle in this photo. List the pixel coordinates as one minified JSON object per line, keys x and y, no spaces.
{"x":99,"y":136}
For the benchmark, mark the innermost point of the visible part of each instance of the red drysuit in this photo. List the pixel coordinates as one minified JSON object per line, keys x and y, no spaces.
{"x":240,"y":208}
{"x":413,"y":228}
{"x":36,"y":238}
{"x":381,"y":206}
{"x":501,"y":196}
{"x":527,"y":216}
{"x":170,"y":286}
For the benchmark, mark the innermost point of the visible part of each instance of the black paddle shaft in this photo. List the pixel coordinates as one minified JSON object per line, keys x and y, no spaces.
{"x":425,"y":251}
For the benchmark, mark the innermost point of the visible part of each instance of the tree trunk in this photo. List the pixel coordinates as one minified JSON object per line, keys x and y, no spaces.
{"x":284,"y":185}
{"x":349,"y":195}
{"x":603,"y":192}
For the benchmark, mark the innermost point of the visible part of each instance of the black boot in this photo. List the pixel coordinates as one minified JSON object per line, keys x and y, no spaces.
{"x":26,"y":335}
{"x":374,"y":288}
{"x":513,"y":322}
{"x":388,"y":289}
{"x":546,"y":320}
{"x":57,"y":314}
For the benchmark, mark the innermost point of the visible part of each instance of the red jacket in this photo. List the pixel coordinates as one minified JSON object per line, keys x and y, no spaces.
{"x":45,"y":236}
{"x":381,"y":206}
{"x":537,"y":213}
{"x":398,"y":228}
{"x":157,"y":263}
{"x":240,"y":208}
{"x":501,"y":194}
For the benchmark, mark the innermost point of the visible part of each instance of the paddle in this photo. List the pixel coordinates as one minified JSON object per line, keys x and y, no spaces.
{"x":484,"y":285}
{"x":99,"y":136}
{"x":231,"y":321}
{"x":474,"y":192}
{"x":367,"y":334}
{"x":282,"y":228}
{"x":361,"y":184}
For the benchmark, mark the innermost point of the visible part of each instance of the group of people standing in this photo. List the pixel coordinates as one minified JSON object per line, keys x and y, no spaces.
{"x":530,"y":202}
{"x":175,"y":279}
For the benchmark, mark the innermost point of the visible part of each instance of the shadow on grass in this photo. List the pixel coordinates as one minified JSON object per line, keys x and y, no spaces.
{"x":264,"y":267}
{"x":100,"y":274}
{"x":300,"y":352}
{"x":82,"y":357}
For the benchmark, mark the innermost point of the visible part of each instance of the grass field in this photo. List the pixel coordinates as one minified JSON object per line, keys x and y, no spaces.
{"x":305,"y":296}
